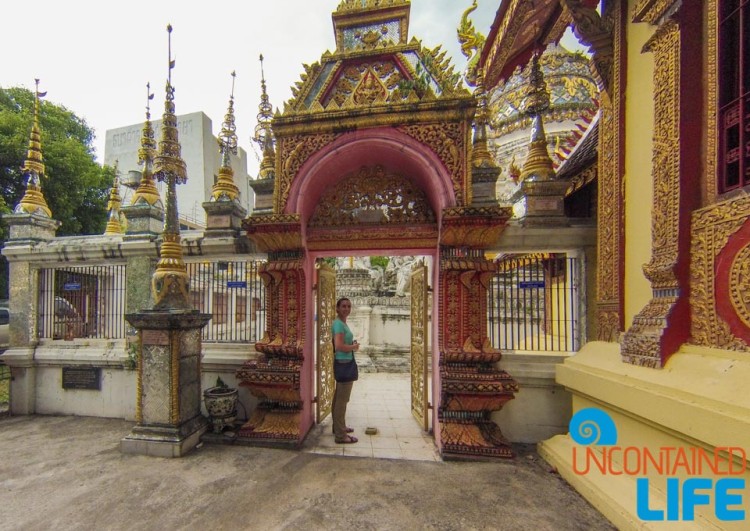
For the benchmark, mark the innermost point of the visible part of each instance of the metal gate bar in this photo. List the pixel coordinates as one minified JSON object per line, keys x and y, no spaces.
{"x":534,"y":303}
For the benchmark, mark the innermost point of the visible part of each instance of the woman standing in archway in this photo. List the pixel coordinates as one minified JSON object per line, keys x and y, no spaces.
{"x":345,"y":370}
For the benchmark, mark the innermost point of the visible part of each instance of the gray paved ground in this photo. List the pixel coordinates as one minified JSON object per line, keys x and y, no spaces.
{"x":67,"y":473}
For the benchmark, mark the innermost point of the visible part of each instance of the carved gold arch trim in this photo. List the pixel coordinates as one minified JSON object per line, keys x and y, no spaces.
{"x":372,"y":195}
{"x":293,"y":153}
{"x":448,"y":141}
{"x":651,"y":10}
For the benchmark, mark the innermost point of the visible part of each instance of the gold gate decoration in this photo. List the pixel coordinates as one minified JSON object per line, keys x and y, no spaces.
{"x":326,"y":311}
{"x":419,"y":337}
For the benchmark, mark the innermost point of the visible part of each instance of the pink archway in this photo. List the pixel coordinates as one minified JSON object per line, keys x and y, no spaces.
{"x":389,"y":147}
{"x":398,"y":153}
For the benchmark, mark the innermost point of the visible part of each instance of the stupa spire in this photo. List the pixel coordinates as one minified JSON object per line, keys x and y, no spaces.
{"x":33,"y":201}
{"x":225,"y":189}
{"x":480,"y":155}
{"x":169,"y":284}
{"x":114,"y":216}
{"x":263,"y":132}
{"x":147,"y":193}
{"x":538,"y":165}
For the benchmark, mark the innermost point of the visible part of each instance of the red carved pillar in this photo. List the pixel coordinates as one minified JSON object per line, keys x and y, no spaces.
{"x":274,"y":378}
{"x":472,"y":387}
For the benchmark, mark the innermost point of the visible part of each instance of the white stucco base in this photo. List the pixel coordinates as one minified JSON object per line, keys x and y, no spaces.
{"x":36,"y":387}
{"x":542,"y":407}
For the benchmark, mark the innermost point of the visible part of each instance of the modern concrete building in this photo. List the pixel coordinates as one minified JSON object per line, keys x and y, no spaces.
{"x":200,"y":151}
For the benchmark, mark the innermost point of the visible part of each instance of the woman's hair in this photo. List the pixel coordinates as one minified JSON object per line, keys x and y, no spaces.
{"x":342,"y":299}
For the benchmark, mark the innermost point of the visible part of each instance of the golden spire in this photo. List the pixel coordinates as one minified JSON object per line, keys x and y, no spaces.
{"x":147,"y":193}
{"x":225,"y":189}
{"x":170,"y":283}
{"x":115,"y":217}
{"x":480,"y":155}
{"x":263,"y":132}
{"x":33,"y":201}
{"x":538,"y":165}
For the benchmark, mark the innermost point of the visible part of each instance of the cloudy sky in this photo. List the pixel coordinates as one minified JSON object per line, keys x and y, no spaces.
{"x":95,"y":57}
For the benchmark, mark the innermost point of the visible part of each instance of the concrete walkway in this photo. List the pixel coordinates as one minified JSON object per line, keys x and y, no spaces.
{"x":382,"y":401}
{"x":67,"y":473}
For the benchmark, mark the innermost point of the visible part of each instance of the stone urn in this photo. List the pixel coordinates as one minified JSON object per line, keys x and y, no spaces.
{"x":221,"y":404}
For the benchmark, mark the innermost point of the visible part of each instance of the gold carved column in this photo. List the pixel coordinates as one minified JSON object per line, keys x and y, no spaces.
{"x":471,"y":386}
{"x":611,"y":218}
{"x":274,"y":378}
{"x":662,"y":325}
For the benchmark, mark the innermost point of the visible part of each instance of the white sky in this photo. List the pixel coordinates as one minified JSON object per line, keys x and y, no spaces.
{"x":95,"y":57}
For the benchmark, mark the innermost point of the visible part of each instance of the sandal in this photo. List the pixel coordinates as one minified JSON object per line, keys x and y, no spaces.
{"x":350,"y":439}
{"x":348,"y":430}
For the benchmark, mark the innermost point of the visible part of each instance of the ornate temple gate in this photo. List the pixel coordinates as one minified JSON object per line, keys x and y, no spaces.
{"x":375,"y":156}
{"x":419,"y":346}
{"x":326,"y":313}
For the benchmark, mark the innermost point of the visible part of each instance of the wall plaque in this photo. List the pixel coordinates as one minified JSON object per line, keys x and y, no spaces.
{"x":82,"y":378}
{"x":155,"y":337}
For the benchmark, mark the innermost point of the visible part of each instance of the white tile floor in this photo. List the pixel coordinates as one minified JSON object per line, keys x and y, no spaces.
{"x":380,"y":400}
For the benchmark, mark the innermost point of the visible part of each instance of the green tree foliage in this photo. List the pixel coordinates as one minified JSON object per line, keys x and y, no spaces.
{"x":76,"y":187}
{"x":379,"y":261}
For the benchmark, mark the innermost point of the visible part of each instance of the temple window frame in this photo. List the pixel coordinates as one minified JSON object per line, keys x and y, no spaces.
{"x":733,"y":96}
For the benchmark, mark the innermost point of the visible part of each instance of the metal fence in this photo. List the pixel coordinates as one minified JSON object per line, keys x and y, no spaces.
{"x":82,"y":301}
{"x":534,"y":303}
{"x":233,"y":293}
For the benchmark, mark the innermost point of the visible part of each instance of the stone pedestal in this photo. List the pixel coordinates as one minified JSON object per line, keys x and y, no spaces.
{"x":544,"y":202}
{"x":30,"y":228}
{"x":263,"y":189}
{"x":483,"y":184}
{"x":143,"y":220}
{"x":168,"y":407}
{"x":223,"y":218}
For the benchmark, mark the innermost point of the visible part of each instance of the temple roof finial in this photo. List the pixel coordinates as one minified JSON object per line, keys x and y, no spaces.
{"x":33,"y":201}
{"x":225,"y":189}
{"x":115,"y":218}
{"x":168,"y":162}
{"x":538,"y":165}
{"x":263,"y":132}
{"x":147,"y":193}
{"x":170,"y":282}
{"x":471,"y":42}
{"x":480,"y":155}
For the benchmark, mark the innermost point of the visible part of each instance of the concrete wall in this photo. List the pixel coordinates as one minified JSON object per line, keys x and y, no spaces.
{"x":117,"y":396}
{"x":200,"y":151}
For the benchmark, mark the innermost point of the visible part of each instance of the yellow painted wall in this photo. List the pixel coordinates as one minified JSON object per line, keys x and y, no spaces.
{"x":639,"y":119}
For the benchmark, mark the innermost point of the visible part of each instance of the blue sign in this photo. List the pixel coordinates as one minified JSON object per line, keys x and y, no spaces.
{"x":236,"y":284}
{"x":72,"y":286}
{"x":528,"y":284}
